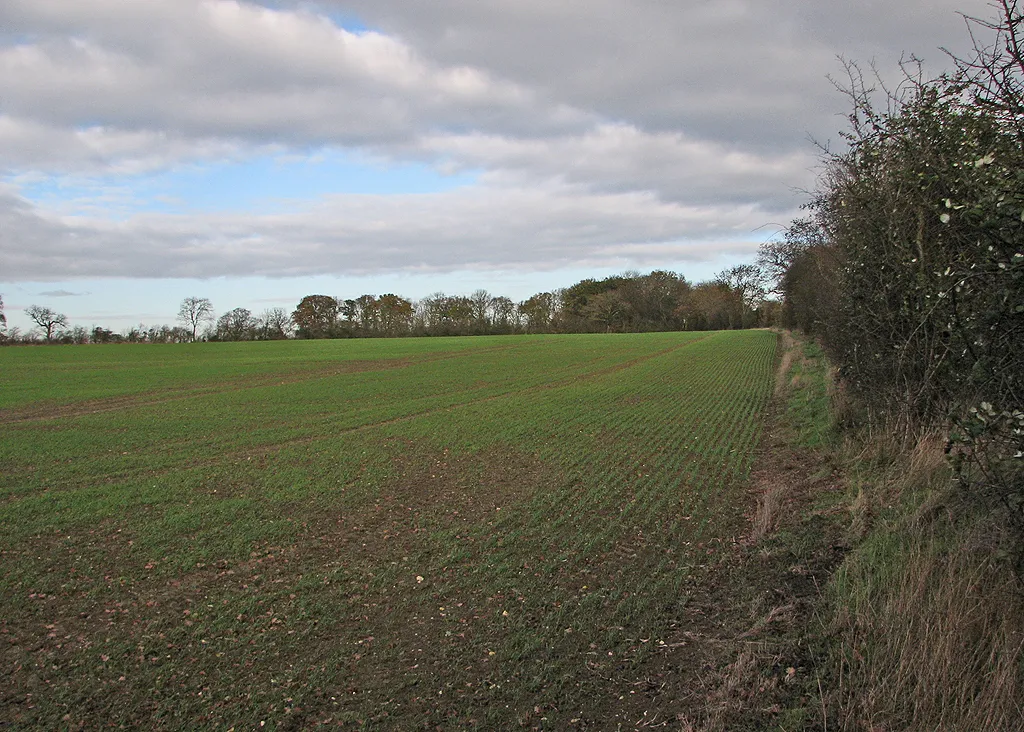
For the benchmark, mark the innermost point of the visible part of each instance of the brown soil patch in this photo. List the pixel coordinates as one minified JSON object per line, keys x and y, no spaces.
{"x":392,"y":635}
{"x":430,"y":491}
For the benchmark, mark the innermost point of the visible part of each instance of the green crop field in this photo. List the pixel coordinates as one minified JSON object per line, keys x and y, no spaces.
{"x":383,"y":534}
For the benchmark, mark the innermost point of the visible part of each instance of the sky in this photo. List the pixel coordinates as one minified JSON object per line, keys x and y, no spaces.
{"x":256,"y":152}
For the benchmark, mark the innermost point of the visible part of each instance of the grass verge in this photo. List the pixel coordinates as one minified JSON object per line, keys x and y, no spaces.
{"x":927,"y":611}
{"x":918,"y":623}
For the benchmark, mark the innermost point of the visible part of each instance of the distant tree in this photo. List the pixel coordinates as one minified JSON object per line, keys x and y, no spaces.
{"x":458,"y":313}
{"x":446,"y":314}
{"x":710,"y":306}
{"x":102,"y":335}
{"x":235,"y":325}
{"x":177,"y":334}
{"x":746,"y":281}
{"x":77,"y":335}
{"x":538,"y":312}
{"x":810,"y":289}
{"x":367,"y":312}
{"x":576,"y":297}
{"x":316,"y":316}
{"x":775,"y":256}
{"x":348,"y":313}
{"x":273,"y":324}
{"x":430,"y":313}
{"x":394,"y":314}
{"x":609,"y":309}
{"x":3,"y":321}
{"x":482,"y":301}
{"x":505,"y":318}
{"x":47,"y":319}
{"x":628,"y":302}
{"x":651,"y":299}
{"x":195,"y":311}
{"x":164,"y":334}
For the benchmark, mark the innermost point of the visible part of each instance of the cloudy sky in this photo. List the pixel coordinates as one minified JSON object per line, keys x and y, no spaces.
{"x":255,"y":152}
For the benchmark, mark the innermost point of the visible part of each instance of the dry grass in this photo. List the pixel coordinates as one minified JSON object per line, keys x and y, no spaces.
{"x":845,"y":411}
{"x":925,"y":616}
{"x":924,"y":620}
{"x":889,"y":471}
{"x":861,"y":515}
{"x":938,"y":647}
{"x":769,"y":505}
{"x":760,"y":673}
{"x":789,"y":352}
{"x":929,"y":615}
{"x":756,"y":664}
{"x":775,"y":487}
{"x":740,"y":686}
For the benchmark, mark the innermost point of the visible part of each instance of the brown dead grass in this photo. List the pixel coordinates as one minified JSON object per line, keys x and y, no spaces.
{"x":930,"y":614}
{"x":926,"y":620}
{"x":938,"y":647}
{"x":787,"y":346}
{"x":769,"y":505}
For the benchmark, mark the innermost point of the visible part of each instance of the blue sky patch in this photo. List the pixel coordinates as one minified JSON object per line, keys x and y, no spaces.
{"x":263,"y":184}
{"x":349,"y":21}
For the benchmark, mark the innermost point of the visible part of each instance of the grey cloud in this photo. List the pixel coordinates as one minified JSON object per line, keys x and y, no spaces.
{"x":620,"y":158}
{"x":488,"y":228}
{"x":27,"y":145}
{"x":742,"y":73}
{"x":746,"y":72}
{"x":230,"y":70}
{"x":62,"y":293}
{"x":606,"y":130}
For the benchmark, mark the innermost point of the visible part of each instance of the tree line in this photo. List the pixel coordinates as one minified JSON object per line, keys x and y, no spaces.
{"x":195,"y":323}
{"x":630,"y":302}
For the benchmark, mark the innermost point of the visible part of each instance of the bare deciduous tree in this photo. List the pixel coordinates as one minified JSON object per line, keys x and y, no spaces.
{"x":47,"y":319}
{"x":274,"y":324}
{"x":195,"y":311}
{"x":482,"y":301}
